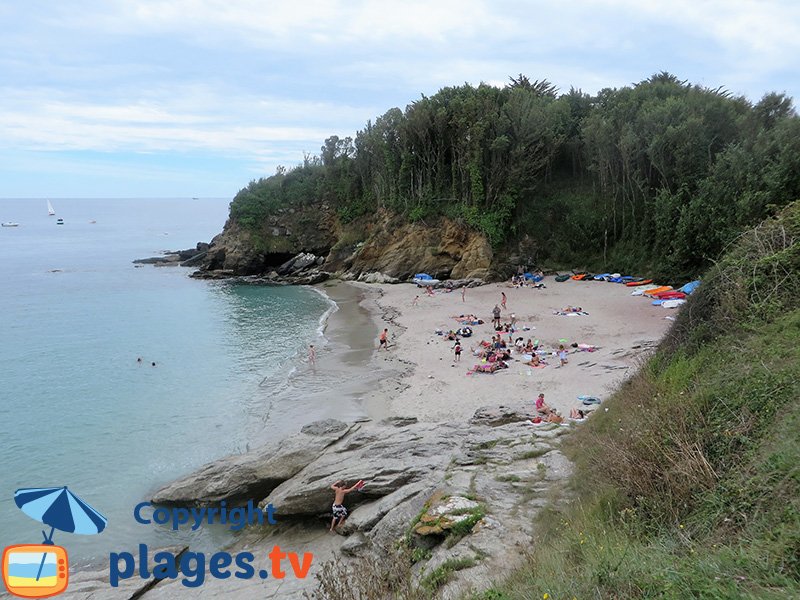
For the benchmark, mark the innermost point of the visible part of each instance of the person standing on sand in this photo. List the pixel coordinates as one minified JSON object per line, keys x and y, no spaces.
{"x":503,"y":301}
{"x":415,"y":301}
{"x":463,"y":293}
{"x":562,"y":355}
{"x":457,"y":350}
{"x":312,"y":355}
{"x":339,"y":511}
{"x":383,"y":342}
{"x":496,"y":316}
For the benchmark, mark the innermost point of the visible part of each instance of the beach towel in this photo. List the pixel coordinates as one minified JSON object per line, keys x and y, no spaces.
{"x":561,"y":313}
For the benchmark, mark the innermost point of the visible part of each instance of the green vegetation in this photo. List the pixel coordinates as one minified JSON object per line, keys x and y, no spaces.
{"x":442,"y":574}
{"x":689,"y":486}
{"x":464,"y":527}
{"x":657,"y":177}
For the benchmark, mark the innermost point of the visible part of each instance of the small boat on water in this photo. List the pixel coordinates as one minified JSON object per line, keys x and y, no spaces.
{"x":10,"y":224}
{"x":60,"y":222}
{"x":50,"y":210}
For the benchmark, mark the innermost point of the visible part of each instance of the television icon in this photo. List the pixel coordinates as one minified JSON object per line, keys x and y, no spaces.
{"x":35,"y":570}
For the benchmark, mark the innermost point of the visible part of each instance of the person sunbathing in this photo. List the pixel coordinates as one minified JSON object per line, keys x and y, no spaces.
{"x":577,"y":414}
{"x":584,"y":347}
{"x":535,"y":361}
{"x":488,"y":367}
{"x":572,"y":309}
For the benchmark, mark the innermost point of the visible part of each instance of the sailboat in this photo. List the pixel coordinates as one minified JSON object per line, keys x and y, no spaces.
{"x":50,"y":210}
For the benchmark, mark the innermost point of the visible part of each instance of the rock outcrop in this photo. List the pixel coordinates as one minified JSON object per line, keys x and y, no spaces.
{"x":255,"y":474}
{"x":388,"y":458}
{"x":185,"y":258}
{"x":301,"y":242}
{"x":445,"y":491}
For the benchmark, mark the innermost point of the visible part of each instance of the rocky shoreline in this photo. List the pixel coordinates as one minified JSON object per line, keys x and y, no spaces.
{"x":422,"y":480}
{"x":305,"y":268}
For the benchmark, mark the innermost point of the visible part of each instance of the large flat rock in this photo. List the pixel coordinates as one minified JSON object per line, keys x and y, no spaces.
{"x":386,"y":458}
{"x":252,"y":476}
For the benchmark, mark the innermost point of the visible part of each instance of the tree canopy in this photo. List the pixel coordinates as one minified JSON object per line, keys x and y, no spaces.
{"x":659,"y":175}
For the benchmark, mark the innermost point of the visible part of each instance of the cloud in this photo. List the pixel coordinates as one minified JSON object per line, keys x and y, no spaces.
{"x":40,"y":120}
{"x":263,"y":82}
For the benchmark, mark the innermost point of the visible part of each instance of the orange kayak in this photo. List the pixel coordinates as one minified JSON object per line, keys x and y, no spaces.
{"x":635,"y":283}
{"x":658,"y":290}
{"x":579,"y":277}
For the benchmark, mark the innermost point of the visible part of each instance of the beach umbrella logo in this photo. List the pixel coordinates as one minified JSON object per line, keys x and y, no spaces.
{"x":42,"y":570}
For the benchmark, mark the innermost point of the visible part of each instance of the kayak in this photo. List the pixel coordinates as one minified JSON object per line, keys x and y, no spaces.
{"x":642,"y":282}
{"x":655,"y":291}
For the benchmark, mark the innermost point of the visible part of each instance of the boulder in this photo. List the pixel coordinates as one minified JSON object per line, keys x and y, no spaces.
{"x":251,"y":476}
{"x":377,"y":277}
{"x":386,"y":458}
{"x":297,"y":264}
{"x":501,"y":415}
{"x":324,"y":427}
{"x":366,"y":516}
{"x":356,"y":545}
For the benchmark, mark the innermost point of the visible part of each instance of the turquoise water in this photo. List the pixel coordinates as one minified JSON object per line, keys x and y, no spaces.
{"x":77,"y":409}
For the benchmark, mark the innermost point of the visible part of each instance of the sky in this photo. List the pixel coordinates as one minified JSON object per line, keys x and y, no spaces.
{"x":184,"y":98}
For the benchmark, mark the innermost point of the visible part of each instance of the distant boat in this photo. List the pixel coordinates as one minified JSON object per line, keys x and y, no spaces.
{"x":195,"y":198}
{"x":10,"y":224}
{"x":50,"y":210}
{"x":60,"y":222}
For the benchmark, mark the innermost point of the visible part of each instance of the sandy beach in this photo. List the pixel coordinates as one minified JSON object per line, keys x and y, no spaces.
{"x":436,"y":388}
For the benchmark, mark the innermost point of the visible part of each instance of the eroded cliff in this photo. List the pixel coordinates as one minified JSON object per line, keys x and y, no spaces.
{"x":381,"y":243}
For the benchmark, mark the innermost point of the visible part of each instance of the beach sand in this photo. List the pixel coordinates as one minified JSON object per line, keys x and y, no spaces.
{"x":435,"y":388}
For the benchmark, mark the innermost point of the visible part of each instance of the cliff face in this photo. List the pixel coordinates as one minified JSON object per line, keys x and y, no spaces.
{"x":382,"y":243}
{"x":242,"y":251}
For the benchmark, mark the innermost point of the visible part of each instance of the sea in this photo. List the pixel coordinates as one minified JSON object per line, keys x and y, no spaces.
{"x":78,"y":407}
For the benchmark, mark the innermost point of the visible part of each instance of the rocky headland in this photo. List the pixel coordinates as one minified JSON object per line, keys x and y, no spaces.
{"x":309,"y":243}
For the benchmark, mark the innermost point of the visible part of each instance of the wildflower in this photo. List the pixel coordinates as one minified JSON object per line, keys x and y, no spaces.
{"x":546,"y":596}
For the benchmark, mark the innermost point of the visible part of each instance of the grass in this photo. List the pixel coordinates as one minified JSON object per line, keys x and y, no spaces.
{"x":508,"y":478}
{"x":535,"y":453}
{"x":464,"y":527}
{"x":689,"y":486}
{"x":443,"y":574}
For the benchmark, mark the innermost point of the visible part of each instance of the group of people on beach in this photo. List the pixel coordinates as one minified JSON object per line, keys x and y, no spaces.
{"x":545,"y":413}
{"x":495,"y":354}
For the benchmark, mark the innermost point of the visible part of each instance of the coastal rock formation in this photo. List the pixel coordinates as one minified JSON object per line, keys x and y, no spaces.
{"x":253,"y":475}
{"x":501,"y":415}
{"x":285,"y":234}
{"x":388,"y":458}
{"x":449,"y":491}
{"x":184,"y":258}
{"x":447,"y":249}
{"x":446,"y":513}
{"x":310,"y":239}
